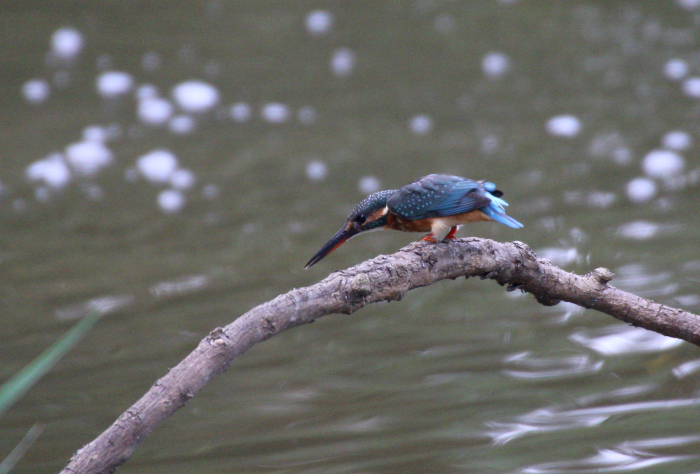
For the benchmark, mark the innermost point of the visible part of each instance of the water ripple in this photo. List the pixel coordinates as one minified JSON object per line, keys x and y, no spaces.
{"x":619,"y":340}
{"x":103,"y":305}
{"x":560,"y":256}
{"x":686,"y":368}
{"x":607,"y":460}
{"x":552,"y":419}
{"x":643,"y":281}
{"x":627,"y":456}
{"x":186,"y":284}
{"x":539,"y":368}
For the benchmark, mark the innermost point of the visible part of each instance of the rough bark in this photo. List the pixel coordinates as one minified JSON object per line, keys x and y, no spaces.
{"x":384,"y":278}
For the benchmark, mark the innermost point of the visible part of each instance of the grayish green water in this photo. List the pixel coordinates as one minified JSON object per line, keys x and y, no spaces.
{"x":585,"y":113}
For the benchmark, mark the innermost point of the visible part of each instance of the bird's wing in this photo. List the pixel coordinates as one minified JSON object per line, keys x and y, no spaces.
{"x":438,"y":196}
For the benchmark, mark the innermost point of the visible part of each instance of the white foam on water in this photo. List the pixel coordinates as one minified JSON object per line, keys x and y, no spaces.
{"x":319,"y":22}
{"x":240,"y":112}
{"x":36,"y":91}
{"x":662,"y":164}
{"x":369,"y":184}
{"x":275,"y":112}
{"x":66,"y":43}
{"x":316,"y":170}
{"x":567,"y":126}
{"x":677,"y":140}
{"x":171,"y":200}
{"x":495,"y":64}
{"x":155,"y":111}
{"x":88,"y":157}
{"x":182,"y":179}
{"x":691,"y":87}
{"x":157,"y":166}
{"x":676,"y":69}
{"x":641,"y":190}
{"x":342,"y":62}
{"x":182,"y":124}
{"x":51,"y":171}
{"x":420,"y":124}
{"x":195,"y":96}
{"x":112,"y":84}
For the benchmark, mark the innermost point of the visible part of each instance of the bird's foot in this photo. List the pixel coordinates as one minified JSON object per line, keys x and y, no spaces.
{"x":450,"y":235}
{"x":429,"y":238}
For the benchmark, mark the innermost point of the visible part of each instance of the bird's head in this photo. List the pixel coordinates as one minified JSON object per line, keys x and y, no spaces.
{"x":370,"y":214}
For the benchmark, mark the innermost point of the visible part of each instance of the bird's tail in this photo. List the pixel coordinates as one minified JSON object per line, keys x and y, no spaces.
{"x":496,"y":210}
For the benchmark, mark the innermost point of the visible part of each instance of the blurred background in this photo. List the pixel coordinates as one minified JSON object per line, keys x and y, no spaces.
{"x":173,"y":164}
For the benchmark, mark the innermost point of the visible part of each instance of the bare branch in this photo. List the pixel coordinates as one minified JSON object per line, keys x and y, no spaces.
{"x":384,"y":278}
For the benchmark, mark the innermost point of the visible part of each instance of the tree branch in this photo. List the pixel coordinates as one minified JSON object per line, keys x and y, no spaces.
{"x":384,"y":278}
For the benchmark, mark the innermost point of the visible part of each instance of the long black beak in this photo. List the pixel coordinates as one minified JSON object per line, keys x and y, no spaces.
{"x":336,"y":241}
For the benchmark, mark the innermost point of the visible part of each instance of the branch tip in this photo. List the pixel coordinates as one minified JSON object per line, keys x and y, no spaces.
{"x":603,"y":275}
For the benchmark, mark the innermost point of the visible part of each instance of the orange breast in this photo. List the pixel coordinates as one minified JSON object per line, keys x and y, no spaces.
{"x":408,"y":225}
{"x":427,"y":224}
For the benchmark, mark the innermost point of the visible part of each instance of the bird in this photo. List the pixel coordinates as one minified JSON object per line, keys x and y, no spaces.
{"x":437,"y":204}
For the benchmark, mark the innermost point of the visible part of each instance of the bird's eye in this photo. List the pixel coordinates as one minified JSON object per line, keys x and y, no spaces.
{"x":360,"y":219}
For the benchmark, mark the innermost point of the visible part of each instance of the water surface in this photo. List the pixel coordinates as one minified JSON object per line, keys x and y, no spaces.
{"x":177,"y":164}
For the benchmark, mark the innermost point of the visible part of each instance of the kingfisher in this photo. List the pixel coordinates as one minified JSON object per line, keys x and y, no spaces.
{"x":438,"y":204}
